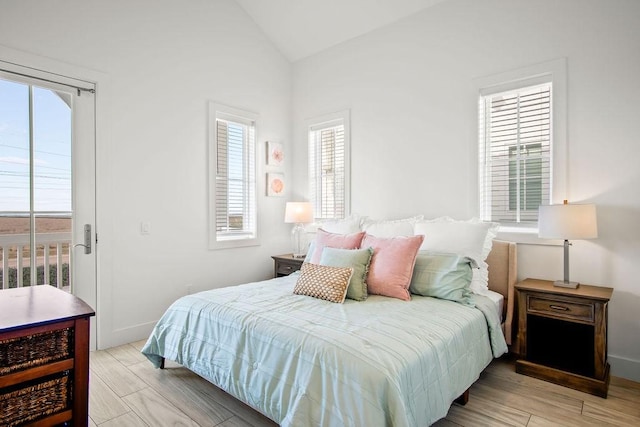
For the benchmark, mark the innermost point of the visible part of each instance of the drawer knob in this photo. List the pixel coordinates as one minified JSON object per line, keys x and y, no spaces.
{"x":559,"y":307}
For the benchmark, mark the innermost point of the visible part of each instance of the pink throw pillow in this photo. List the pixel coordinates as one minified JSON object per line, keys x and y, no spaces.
{"x":392,"y":264}
{"x":324,"y":239}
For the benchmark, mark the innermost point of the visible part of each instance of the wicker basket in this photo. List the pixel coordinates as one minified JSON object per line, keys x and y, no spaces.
{"x":17,"y":354}
{"x":29,"y":402}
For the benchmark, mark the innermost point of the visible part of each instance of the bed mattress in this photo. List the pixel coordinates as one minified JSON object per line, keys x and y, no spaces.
{"x":307,"y":362}
{"x":497,"y":300}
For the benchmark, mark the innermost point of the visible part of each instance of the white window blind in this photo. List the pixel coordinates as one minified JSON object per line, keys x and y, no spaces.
{"x":328,"y":169}
{"x":234,"y":197}
{"x":515,"y":154}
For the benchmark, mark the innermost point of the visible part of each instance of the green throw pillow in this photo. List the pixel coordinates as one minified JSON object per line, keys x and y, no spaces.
{"x":359,"y":260}
{"x":440,"y":275}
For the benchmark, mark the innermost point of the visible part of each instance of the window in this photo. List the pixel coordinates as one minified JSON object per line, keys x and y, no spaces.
{"x":232,"y":178}
{"x":522,"y":147}
{"x":329,"y":166}
{"x":515,"y":154}
{"x":528,"y":177}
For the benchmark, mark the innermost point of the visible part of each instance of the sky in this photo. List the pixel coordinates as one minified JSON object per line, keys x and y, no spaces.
{"x":52,"y":149}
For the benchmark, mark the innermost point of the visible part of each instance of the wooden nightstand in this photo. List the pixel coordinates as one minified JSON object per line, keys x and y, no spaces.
{"x":563,"y":334}
{"x":286,"y":264}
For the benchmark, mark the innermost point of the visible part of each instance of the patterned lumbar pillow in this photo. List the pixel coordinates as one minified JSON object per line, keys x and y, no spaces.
{"x":323,"y":282}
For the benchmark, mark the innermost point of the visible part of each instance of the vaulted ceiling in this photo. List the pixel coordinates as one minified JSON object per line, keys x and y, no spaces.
{"x":300,"y":28}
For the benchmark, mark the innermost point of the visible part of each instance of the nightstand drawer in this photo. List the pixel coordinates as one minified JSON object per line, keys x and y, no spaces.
{"x":286,"y":264}
{"x":556,"y":307}
{"x":286,"y":268}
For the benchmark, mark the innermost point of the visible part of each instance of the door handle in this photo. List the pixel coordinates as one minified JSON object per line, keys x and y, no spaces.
{"x":87,"y":239}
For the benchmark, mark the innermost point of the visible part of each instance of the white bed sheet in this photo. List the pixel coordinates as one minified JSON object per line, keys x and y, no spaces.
{"x":498,"y":301}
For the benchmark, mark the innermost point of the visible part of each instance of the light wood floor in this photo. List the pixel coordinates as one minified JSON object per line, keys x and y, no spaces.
{"x":125,"y":390}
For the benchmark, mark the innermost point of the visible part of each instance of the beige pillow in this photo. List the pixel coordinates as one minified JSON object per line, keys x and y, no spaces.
{"x":323,"y":282}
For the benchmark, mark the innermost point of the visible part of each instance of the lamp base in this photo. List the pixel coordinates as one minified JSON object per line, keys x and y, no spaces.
{"x":299,"y":241}
{"x":566,"y":284}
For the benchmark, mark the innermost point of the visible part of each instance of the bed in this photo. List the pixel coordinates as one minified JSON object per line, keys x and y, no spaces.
{"x":305,"y":362}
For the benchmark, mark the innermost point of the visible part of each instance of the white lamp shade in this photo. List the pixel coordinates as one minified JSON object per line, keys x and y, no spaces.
{"x":298,"y":212}
{"x":567,"y":222}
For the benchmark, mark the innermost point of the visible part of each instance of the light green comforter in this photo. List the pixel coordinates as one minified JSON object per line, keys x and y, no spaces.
{"x":307,"y":362}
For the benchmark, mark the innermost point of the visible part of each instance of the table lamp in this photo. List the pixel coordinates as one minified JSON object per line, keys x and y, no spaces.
{"x":298,"y":213}
{"x":567,"y":222}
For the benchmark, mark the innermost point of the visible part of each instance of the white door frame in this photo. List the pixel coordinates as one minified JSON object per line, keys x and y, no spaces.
{"x":41,"y":67}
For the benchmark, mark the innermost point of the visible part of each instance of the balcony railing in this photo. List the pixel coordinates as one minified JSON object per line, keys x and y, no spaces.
{"x":51,"y":258}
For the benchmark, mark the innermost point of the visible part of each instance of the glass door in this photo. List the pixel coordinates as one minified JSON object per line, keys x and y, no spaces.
{"x":47,"y":185}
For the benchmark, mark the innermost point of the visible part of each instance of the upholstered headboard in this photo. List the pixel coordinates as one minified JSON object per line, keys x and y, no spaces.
{"x":503,"y":271}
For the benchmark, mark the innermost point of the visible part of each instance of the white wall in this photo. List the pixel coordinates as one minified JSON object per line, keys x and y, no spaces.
{"x":161,"y":61}
{"x":414,"y":125}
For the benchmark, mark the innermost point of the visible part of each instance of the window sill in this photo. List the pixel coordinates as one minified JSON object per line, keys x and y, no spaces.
{"x":522,"y":235}
{"x":233,"y":243}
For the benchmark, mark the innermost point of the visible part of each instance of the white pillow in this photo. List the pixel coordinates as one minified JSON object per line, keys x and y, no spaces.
{"x":391,"y":228}
{"x":471,"y":238}
{"x":480,"y":280}
{"x":348,"y":225}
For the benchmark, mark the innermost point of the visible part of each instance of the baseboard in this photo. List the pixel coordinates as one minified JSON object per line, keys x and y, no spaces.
{"x":126,"y":335}
{"x":625,"y":368}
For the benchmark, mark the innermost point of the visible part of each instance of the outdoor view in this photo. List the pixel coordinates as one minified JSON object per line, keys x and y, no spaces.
{"x":35,"y":185}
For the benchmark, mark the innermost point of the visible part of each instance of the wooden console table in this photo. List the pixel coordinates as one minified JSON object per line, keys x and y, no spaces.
{"x":44,"y":357}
